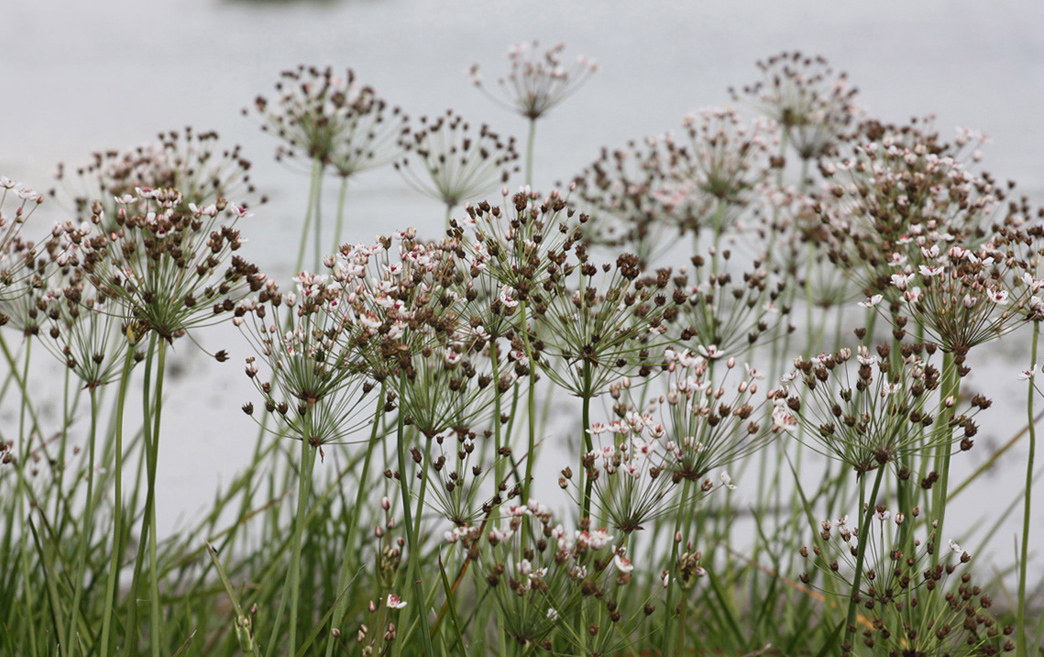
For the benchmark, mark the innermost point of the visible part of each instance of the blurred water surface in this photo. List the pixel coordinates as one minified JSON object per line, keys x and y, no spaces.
{"x":108,"y":74}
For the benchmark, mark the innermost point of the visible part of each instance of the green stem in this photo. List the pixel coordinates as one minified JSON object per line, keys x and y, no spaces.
{"x":864,"y":533}
{"x":26,"y":402}
{"x":156,"y":632}
{"x":413,"y":543}
{"x":668,"y":623}
{"x":304,"y":481}
{"x":1021,"y":642}
{"x":950,"y":390}
{"x":342,"y":193}
{"x":23,"y":513}
{"x":151,"y":405}
{"x":117,"y":514}
{"x":499,"y":461}
{"x":318,"y":216}
{"x":587,"y":444}
{"x":314,"y":189}
{"x":810,"y":300}
{"x":351,"y":554}
{"x":88,"y":522}
{"x":530,"y":142}
{"x":531,"y":395}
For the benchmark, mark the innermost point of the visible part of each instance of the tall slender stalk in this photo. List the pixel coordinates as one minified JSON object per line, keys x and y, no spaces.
{"x":24,"y":492}
{"x":951,"y":383}
{"x":412,"y":540}
{"x":668,"y":622}
{"x":1021,"y":644}
{"x":531,"y":398}
{"x":586,"y":444}
{"x":342,"y":193}
{"x":156,"y":631}
{"x":315,"y":189}
{"x":117,"y":513}
{"x":864,"y":533}
{"x":530,"y":142}
{"x":152,"y":404}
{"x":88,"y":520}
{"x":304,"y":482}
{"x":498,"y":442}
{"x":351,"y":555}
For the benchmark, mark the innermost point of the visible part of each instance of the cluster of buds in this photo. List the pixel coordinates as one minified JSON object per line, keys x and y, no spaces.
{"x":554,"y":577}
{"x":636,"y":195}
{"x":538,"y":80}
{"x":170,"y":268}
{"x":877,"y":409}
{"x":460,"y":166}
{"x":909,"y":598}
{"x":332,"y":120}
{"x":811,"y":102}
{"x":187,"y":160}
{"x":717,"y":309}
{"x":16,"y":257}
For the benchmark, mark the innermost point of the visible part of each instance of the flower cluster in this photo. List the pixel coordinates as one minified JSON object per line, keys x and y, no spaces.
{"x":880,"y":412}
{"x":331,"y":119}
{"x":728,"y":314}
{"x":563,"y":573}
{"x":806,"y":98}
{"x":726,"y":162}
{"x":538,"y":80}
{"x":460,"y":166}
{"x":187,"y":160}
{"x":684,"y":434}
{"x":636,"y":196}
{"x":602,"y":329}
{"x":171,"y":269}
{"x":961,"y":297}
{"x":895,"y":194}
{"x":908,"y":598}
{"x":16,"y":256}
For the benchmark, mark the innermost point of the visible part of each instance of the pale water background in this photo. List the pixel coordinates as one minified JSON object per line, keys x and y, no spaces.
{"x":84,"y":76}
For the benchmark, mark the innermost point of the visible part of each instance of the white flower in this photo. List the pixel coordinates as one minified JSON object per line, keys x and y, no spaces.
{"x":552,"y":615}
{"x":753,"y":373}
{"x":726,"y":481}
{"x":871,"y":302}
{"x":622,"y":563}
{"x":395,"y":602}
{"x":900,"y":281}
{"x":782,"y":419}
{"x":507,"y":298}
{"x":710,"y":352}
{"x":1025,"y":375}
{"x":955,"y":546}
